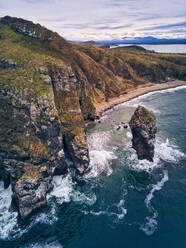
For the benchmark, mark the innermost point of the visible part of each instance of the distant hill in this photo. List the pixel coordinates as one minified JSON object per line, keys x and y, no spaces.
{"x":90,"y":42}
{"x":145,"y":40}
{"x":94,"y":43}
{"x":133,"y":48}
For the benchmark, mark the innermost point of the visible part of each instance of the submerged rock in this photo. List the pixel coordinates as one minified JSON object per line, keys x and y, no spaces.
{"x":143,"y":127}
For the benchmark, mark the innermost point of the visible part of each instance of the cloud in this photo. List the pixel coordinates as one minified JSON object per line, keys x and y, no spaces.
{"x":60,"y":19}
{"x":148,"y":17}
{"x":166,"y":26}
{"x":37,"y":1}
{"x":102,"y":19}
{"x":108,"y":27}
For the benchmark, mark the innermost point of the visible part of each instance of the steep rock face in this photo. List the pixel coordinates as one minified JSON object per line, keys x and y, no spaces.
{"x":29,"y":28}
{"x":31,"y":147}
{"x":70,"y":115}
{"x":143,"y":126}
{"x":35,"y":133}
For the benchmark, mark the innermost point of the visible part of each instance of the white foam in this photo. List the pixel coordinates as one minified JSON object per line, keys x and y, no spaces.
{"x":114,"y":216}
{"x":156,"y":187}
{"x":169,"y":152}
{"x":98,"y":141}
{"x":100,"y":154}
{"x":151,"y":223}
{"x":115,"y":212}
{"x":173,"y":89}
{"x":8,"y":218}
{"x":163,"y":151}
{"x":82,"y":198}
{"x":61,"y":191}
{"x":46,"y":244}
{"x":64,"y":191}
{"x":129,"y":135}
{"x":122,"y":209}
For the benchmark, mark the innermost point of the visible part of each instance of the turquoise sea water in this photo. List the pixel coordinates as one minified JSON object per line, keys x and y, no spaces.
{"x":122,"y":202}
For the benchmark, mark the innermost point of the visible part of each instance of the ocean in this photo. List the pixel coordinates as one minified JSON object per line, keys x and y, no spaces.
{"x":161,"y":48}
{"x":122,"y":202}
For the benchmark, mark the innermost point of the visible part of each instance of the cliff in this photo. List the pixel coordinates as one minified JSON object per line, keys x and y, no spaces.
{"x":48,"y":88}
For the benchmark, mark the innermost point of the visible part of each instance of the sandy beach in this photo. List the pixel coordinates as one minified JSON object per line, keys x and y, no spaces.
{"x":133,"y":93}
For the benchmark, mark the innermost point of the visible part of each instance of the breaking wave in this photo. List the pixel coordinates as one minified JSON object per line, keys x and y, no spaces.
{"x":100,"y":154}
{"x":63,"y":191}
{"x":164,"y":151}
{"x":8,"y":218}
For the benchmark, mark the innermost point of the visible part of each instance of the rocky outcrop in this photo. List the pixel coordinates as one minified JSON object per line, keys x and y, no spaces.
{"x":70,"y":115}
{"x":31,"y":147}
{"x":143,"y":127}
{"x":29,"y":28}
{"x":36,"y":133}
{"x":8,"y":63}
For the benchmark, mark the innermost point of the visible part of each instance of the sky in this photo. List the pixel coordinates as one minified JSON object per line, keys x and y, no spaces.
{"x":103,"y":19}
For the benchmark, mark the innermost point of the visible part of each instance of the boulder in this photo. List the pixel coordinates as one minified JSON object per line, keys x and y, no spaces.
{"x":143,"y":127}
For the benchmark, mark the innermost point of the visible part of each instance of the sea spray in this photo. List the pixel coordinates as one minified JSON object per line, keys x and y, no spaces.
{"x":66,"y":190}
{"x":100,"y":154}
{"x":8,"y":218}
{"x":165,"y":151}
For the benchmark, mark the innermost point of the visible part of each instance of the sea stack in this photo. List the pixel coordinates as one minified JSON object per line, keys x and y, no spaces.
{"x":143,"y":127}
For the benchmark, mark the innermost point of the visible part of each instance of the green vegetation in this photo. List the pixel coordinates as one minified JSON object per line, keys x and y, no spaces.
{"x":146,"y":114}
{"x":29,"y":55}
{"x":102,"y":73}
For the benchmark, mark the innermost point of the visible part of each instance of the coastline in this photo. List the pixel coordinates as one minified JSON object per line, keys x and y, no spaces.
{"x":136,"y":92}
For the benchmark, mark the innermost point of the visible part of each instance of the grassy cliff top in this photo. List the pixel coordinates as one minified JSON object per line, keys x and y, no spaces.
{"x":21,"y":58}
{"x":145,"y":114}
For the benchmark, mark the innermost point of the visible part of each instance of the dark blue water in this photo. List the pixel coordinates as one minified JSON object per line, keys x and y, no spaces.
{"x":122,"y":202}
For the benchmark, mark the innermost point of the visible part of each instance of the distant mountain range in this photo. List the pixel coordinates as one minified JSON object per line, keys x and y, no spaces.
{"x":141,"y":40}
